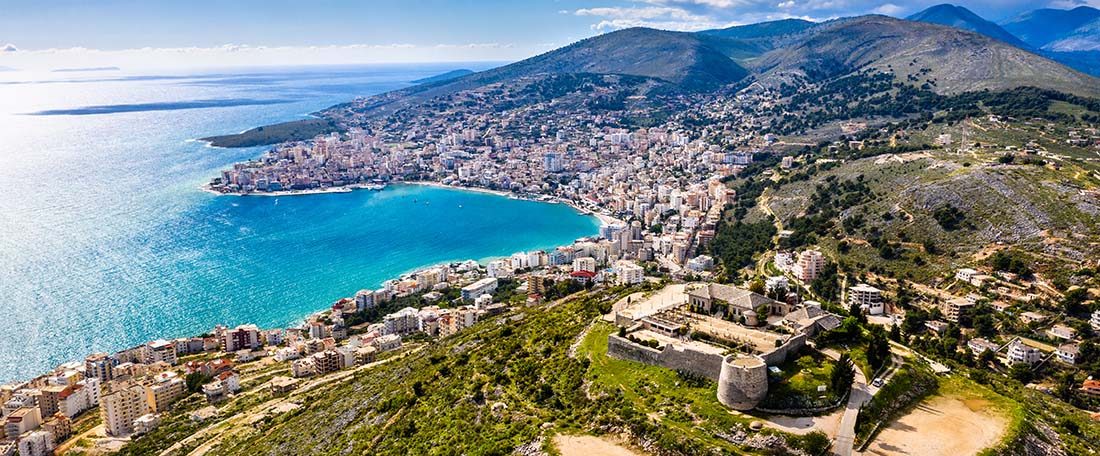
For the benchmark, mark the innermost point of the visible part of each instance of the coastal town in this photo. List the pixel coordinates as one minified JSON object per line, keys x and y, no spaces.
{"x":769,"y":318}
{"x":663,"y":194}
{"x":620,"y":228}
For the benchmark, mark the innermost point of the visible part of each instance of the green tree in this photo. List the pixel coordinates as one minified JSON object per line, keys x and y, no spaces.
{"x":816,"y":442}
{"x":195,"y":380}
{"x":827,"y":285}
{"x":843,"y":374}
{"x":878,"y":350}
{"x":984,"y":325}
{"x":1021,"y":372}
{"x":757,"y":286}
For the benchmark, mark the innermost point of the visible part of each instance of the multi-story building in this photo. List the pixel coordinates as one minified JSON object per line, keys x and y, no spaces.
{"x":1067,"y":353}
{"x":120,"y":406}
{"x":101,"y":366}
{"x":22,"y":420}
{"x":587,"y":264}
{"x":1062,"y":332}
{"x":60,"y":426}
{"x":499,"y":268}
{"x":483,"y":286}
{"x":701,"y":263}
{"x":1095,"y":321}
{"x":37,"y":443}
{"x":327,"y":361}
{"x":303,"y":367}
{"x":402,"y":322}
{"x":160,"y":350}
{"x":955,"y":308}
{"x":628,"y":273}
{"x":387,"y":342}
{"x":243,"y":337}
{"x":978,"y":345}
{"x":48,"y":399}
{"x":1021,"y":353}
{"x":810,"y":265}
{"x":364,"y":299}
{"x":868,"y":298}
{"x":164,"y":389}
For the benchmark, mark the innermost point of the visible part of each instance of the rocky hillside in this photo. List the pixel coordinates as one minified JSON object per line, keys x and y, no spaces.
{"x":957,"y":60}
{"x":648,"y":64}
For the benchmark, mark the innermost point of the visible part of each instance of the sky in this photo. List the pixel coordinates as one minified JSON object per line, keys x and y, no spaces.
{"x":152,"y":34}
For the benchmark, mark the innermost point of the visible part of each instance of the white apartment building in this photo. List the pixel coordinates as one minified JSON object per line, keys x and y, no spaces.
{"x":584,"y":264}
{"x":1019,"y":352}
{"x":37,"y":443}
{"x":364,"y":299}
{"x":868,"y":298}
{"x":499,"y":268}
{"x":22,"y":420}
{"x":476,"y":289}
{"x":628,"y":273}
{"x":402,"y":322}
{"x":1067,"y":353}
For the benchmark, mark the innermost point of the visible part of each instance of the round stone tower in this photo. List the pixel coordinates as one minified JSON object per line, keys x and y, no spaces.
{"x":742,"y":382}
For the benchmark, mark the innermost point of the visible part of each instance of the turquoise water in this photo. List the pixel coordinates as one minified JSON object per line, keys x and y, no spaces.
{"x":106,"y":240}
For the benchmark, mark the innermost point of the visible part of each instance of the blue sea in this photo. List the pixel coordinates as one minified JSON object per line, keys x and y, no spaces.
{"x":107,"y":241}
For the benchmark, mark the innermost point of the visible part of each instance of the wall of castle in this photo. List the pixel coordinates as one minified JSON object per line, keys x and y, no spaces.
{"x":676,"y":358}
{"x":780,"y":354}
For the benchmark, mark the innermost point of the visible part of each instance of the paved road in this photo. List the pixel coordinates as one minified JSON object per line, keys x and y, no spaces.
{"x":861,"y":393}
{"x":845,"y":437}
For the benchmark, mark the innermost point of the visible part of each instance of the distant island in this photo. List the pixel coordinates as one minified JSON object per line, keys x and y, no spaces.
{"x":84,"y":70}
{"x":444,"y":76}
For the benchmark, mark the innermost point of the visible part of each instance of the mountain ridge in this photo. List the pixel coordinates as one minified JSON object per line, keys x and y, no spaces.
{"x":1041,"y":27}
{"x":948,"y":60}
{"x":962,"y":18}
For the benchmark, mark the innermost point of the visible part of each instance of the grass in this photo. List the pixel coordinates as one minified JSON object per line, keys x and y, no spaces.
{"x":660,"y":393}
{"x":798,"y":382}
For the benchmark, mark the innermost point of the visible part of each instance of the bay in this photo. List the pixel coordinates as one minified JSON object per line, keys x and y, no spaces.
{"x":106,"y":240}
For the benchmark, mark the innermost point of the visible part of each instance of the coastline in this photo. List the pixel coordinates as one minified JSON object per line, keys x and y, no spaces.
{"x":604,"y":219}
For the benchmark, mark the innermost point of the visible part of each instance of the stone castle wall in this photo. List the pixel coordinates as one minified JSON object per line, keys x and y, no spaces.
{"x":742,"y":380}
{"x":707,"y":365}
{"x":780,"y":354}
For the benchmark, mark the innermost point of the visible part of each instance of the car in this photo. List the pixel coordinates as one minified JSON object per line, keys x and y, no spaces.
{"x":878,"y":382}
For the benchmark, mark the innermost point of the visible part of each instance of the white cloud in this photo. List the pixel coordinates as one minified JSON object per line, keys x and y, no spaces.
{"x":9,"y":48}
{"x":889,"y":9}
{"x":661,"y":17}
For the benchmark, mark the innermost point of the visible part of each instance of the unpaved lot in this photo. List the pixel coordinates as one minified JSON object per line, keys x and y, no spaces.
{"x":586,"y":445}
{"x":942,"y":426}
